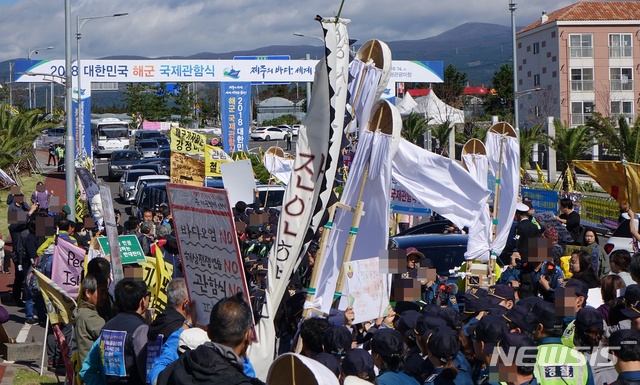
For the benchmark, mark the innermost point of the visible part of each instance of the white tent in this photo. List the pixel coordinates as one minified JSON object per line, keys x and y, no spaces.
{"x":431,"y":106}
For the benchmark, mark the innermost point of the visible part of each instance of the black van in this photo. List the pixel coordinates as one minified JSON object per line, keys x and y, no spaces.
{"x":150,"y":197}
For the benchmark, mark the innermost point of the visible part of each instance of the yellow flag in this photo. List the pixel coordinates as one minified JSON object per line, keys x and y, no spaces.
{"x":542,"y":179}
{"x":164,"y":272}
{"x":621,"y":181}
{"x":58,"y":303}
{"x":187,"y":141}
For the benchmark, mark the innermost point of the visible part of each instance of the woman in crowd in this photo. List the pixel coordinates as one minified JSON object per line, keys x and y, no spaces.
{"x":609,"y":290}
{"x":589,"y":332}
{"x":443,"y":346}
{"x":620,"y":261}
{"x":387,"y":351}
{"x":600,"y":260}
{"x":580,"y":267}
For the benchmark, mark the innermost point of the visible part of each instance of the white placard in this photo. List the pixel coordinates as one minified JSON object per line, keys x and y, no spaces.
{"x":208,"y":246}
{"x":366,"y":289}
{"x":239,"y":181}
{"x":594,"y":298}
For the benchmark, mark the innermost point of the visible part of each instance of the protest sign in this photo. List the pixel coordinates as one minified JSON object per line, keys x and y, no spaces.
{"x":112,"y":232}
{"x":402,"y":202}
{"x":66,"y":269}
{"x":213,"y":158}
{"x":157,"y":274}
{"x":112,"y":346}
{"x":187,"y":141}
{"x":208,"y":246}
{"x":548,"y":219}
{"x":239,"y":181}
{"x":130,"y":249}
{"x":366,"y":289}
{"x":186,"y":170}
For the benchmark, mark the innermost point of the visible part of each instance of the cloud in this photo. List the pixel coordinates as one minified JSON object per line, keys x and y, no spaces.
{"x":157,"y":28}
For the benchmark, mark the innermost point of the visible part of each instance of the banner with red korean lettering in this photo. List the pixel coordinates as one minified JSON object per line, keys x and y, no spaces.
{"x":66,"y":268}
{"x":402,"y":202}
{"x":235,"y":110}
{"x":208,"y":245}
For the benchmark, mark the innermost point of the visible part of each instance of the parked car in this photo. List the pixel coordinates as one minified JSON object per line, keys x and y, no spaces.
{"x":271,"y":195}
{"x":621,"y":239}
{"x":435,"y":227}
{"x":149,"y":148}
{"x":149,"y":196}
{"x":147,"y":180}
{"x":446,"y":251}
{"x":296,"y":128}
{"x":128,"y":181}
{"x":120,"y":161}
{"x":164,"y":154}
{"x":163,"y":144}
{"x":52,"y":135}
{"x":155,"y":166}
{"x":268,"y":133}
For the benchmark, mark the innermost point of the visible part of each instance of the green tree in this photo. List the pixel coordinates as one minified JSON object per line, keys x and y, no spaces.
{"x":528,"y":138}
{"x":415,"y":125}
{"x":570,"y":144}
{"x":17,"y":133}
{"x":184,"y":102}
{"x":441,"y":132}
{"x":501,"y":104}
{"x":623,"y":140}
{"x":451,"y":90}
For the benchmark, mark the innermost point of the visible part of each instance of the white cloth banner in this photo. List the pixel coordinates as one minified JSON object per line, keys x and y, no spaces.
{"x":509,"y":184}
{"x":278,"y":167}
{"x":313,"y":173}
{"x":478,"y":244}
{"x":362,"y":90}
{"x":439,"y":183}
{"x":373,"y":229}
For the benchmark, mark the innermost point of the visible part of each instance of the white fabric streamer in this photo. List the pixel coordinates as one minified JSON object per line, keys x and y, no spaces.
{"x":279,"y":167}
{"x":363,"y":91}
{"x":478,"y":244}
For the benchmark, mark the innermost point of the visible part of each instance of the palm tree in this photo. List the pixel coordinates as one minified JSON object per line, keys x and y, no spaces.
{"x":570,"y":143}
{"x":623,"y":140}
{"x":17,"y":133}
{"x":441,"y":132}
{"x":527,"y":139}
{"x":415,"y":125}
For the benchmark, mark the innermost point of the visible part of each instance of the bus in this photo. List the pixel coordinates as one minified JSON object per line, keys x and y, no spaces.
{"x":109,"y":135}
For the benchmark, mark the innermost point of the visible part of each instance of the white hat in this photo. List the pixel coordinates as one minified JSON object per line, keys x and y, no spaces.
{"x":522,"y":207}
{"x":355,"y":380}
{"x":191,"y":339}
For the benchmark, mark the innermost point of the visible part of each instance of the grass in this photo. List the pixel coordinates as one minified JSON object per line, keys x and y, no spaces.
{"x":28,"y":186}
{"x":24,"y":377}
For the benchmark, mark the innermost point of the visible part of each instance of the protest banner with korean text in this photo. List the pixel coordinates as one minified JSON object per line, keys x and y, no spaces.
{"x":208,"y":245}
{"x":66,"y":268}
{"x":130,"y":249}
{"x":213,"y":158}
{"x":187,"y":141}
{"x":186,"y":170}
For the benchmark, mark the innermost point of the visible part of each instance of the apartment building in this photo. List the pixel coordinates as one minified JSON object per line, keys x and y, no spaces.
{"x":580,"y":59}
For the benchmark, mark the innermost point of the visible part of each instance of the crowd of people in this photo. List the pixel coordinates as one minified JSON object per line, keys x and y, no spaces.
{"x":535,"y":325}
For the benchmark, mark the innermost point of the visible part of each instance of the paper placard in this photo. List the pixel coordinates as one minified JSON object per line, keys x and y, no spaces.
{"x":208,"y":244}
{"x":366,"y":289}
{"x":239,"y":181}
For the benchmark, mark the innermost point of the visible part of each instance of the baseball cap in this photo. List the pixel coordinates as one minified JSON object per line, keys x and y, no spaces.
{"x":444,"y":344}
{"x":407,"y":322}
{"x":624,"y":338}
{"x":529,"y":302}
{"x":490,"y":329}
{"x":387,"y":343}
{"x":632,"y":294}
{"x":337,"y":340}
{"x":519,"y":342}
{"x":588,"y":318}
{"x":431,"y":309}
{"x":546,"y":315}
{"x":330,"y":361}
{"x":426,"y":323}
{"x":501,"y":292}
{"x":358,"y":361}
{"x":476,"y":292}
{"x":521,"y":317}
{"x":582,"y":290}
{"x":451,"y":316}
{"x":191,"y":339}
{"x":262,"y":266}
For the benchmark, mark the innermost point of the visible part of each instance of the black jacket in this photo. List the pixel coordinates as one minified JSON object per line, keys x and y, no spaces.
{"x":209,"y":364}
{"x":166,"y":323}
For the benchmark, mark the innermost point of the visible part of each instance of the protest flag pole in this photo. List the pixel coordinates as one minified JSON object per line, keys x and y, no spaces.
{"x":44,"y":345}
{"x":504,"y":130}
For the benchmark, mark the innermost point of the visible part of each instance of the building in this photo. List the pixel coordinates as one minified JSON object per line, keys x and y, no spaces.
{"x":275,"y":107}
{"x":580,"y":59}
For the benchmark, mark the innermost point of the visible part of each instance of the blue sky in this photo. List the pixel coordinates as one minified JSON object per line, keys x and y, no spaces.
{"x":156,"y":28}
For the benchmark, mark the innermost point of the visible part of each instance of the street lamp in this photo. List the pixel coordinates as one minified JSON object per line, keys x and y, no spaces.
{"x":61,"y":80}
{"x":512,"y":8}
{"x":35,"y":51}
{"x":80,"y":22}
{"x":308,"y":58}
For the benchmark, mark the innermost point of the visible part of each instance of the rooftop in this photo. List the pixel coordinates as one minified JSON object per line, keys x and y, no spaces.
{"x":592,"y":11}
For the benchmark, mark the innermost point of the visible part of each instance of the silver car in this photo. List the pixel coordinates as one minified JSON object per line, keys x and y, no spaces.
{"x":126,"y":187}
{"x":148,"y":148}
{"x":145,"y":180}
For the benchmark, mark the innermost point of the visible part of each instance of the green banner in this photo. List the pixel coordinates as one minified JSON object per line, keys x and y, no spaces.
{"x":130,"y":249}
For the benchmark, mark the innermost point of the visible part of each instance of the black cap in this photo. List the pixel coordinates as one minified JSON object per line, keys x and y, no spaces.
{"x":476,"y":292}
{"x":387,"y":343}
{"x":502,"y":292}
{"x":546,"y":315}
{"x":496,"y":310}
{"x":262,"y":266}
{"x":337,"y":340}
{"x":358,"y":361}
{"x":582,"y":290}
{"x":589,"y":318}
{"x":426,"y":323}
{"x":624,"y":338}
{"x":329,"y":361}
{"x":451,"y":316}
{"x":521,"y":343}
{"x":521,"y":317}
{"x":402,"y":306}
{"x":444,"y":344}
{"x":490,"y":329}
{"x":431,"y":309}
{"x":632,"y":294}
{"x":632,"y":311}
{"x":407,"y":322}
{"x":529,"y":302}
